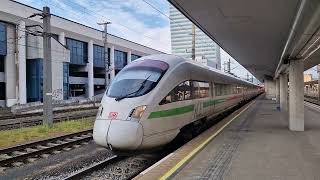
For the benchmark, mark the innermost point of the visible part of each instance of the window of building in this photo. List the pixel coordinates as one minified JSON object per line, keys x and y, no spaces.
{"x":134,"y":57}
{"x":98,"y":56}
{"x":3,"y":39}
{"x":77,"y":90}
{"x":2,"y":91}
{"x":120,"y":60}
{"x":34,"y":80}
{"x":1,"y":63}
{"x":65,"y":81}
{"x":78,"y":51}
{"x":187,"y":90}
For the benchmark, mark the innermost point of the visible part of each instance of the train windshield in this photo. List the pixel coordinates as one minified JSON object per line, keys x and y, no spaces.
{"x":137,"y":79}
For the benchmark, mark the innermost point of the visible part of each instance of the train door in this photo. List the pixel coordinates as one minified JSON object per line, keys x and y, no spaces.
{"x":198,"y":110}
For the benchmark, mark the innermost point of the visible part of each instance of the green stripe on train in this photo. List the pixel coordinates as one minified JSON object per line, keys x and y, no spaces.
{"x":213,"y":102}
{"x":171,"y":112}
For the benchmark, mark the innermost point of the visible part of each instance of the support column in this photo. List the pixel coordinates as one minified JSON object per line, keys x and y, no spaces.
{"x":21,"y":44}
{"x":62,"y":38}
{"x":296,"y":96}
{"x":318,"y":70}
{"x":10,"y":68}
{"x":278,"y":90}
{"x":112,"y":72}
{"x":129,"y":57}
{"x":90,"y":70}
{"x":283,"y":92}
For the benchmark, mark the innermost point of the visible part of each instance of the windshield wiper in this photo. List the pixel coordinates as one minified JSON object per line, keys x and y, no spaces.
{"x":135,"y":92}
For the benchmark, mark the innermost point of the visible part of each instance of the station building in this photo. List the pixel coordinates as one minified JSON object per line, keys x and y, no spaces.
{"x":77,"y":56}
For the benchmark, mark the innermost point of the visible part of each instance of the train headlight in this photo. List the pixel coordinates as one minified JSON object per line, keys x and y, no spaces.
{"x":138,"y":112}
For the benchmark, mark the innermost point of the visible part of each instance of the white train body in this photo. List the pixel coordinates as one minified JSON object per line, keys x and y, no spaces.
{"x":155,"y":117}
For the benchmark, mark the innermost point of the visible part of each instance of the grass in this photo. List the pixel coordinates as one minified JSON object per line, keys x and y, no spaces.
{"x":24,"y":135}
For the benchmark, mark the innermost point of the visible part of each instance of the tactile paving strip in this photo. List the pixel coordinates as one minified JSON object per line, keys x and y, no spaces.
{"x":220,"y":163}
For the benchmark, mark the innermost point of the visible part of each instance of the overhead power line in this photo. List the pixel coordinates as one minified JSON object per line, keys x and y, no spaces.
{"x":93,"y":13}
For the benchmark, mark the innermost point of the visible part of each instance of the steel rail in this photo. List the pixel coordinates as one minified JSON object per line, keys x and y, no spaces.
{"x":36,"y":151}
{"x":36,"y":120}
{"x":22,"y":115}
{"x":96,"y":166}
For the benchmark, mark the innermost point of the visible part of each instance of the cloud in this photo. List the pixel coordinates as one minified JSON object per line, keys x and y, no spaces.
{"x":131,"y":19}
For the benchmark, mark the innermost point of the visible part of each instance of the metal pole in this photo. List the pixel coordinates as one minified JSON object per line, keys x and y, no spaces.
{"x":106,"y":58}
{"x":47,"y":71}
{"x":318,"y":69}
{"x":193,"y":55}
{"x":229,"y":66}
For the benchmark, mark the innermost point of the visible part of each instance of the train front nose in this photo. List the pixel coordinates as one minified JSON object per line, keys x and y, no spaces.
{"x":119,"y":134}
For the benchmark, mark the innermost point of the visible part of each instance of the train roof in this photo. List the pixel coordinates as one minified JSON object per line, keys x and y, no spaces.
{"x":174,"y":60}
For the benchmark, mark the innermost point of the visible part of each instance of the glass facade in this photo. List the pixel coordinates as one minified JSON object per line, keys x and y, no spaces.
{"x":98,"y":56}
{"x":120,"y":60}
{"x":78,"y":51}
{"x":2,"y":91}
{"x":1,"y":63}
{"x":3,"y":39}
{"x":181,"y":41}
{"x":65,"y":81}
{"x":134,"y":57}
{"x":34,"y":80}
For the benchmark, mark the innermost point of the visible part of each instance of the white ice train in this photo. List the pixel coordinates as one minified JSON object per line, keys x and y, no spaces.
{"x":152,"y":98}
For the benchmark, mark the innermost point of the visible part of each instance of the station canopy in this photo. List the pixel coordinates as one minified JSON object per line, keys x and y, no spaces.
{"x":262,"y":35}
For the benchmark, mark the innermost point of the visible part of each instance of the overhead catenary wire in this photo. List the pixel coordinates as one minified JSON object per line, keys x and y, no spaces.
{"x":102,"y":17}
{"x":165,"y":15}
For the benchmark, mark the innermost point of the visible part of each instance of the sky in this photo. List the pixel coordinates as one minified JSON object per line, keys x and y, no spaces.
{"x":135,"y":20}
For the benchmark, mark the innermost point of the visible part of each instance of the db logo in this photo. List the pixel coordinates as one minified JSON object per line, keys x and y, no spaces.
{"x":113,"y":115}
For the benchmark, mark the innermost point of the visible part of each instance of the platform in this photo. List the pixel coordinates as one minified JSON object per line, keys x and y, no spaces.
{"x":255,"y":145}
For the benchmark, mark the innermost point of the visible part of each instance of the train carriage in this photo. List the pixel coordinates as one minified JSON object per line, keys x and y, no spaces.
{"x":154,"y":97}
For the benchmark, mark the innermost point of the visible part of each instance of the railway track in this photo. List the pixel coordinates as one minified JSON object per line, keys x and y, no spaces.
{"x":6,"y":116}
{"x":94,"y":167}
{"x":312,"y":100}
{"x":116,"y":167}
{"x":15,"y":123}
{"x":26,"y":153}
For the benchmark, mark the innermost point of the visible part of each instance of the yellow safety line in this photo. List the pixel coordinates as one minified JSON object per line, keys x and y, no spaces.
{"x":192,"y":153}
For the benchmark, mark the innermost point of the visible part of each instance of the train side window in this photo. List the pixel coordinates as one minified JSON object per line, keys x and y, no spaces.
{"x":200,"y":89}
{"x":179,"y":93}
{"x":187,"y":90}
{"x":212,"y":89}
{"x":218,"y":88}
{"x":204,"y":89}
{"x":223,"y":89}
{"x":234,"y":89}
{"x":167,"y":99}
{"x":239,"y":89}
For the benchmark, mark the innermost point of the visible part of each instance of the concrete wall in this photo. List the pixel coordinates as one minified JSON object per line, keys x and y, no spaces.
{"x":270,"y":88}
